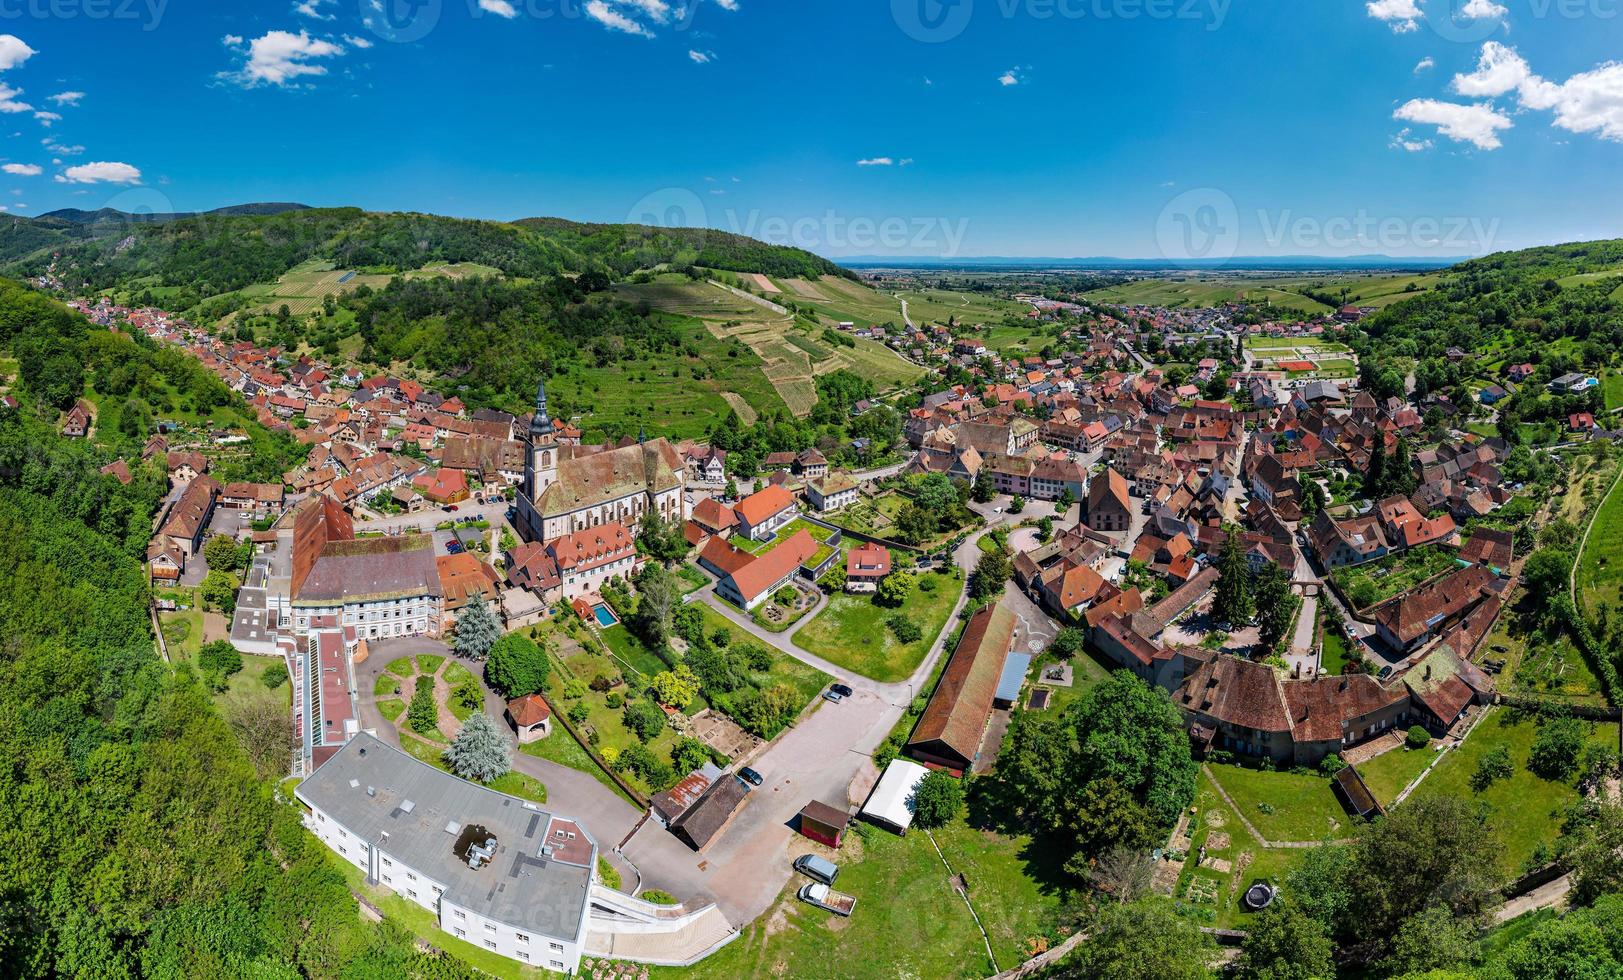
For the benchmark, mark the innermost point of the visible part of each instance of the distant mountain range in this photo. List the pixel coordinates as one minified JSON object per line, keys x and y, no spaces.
{"x":101,"y":216}
{"x":1109,"y":262}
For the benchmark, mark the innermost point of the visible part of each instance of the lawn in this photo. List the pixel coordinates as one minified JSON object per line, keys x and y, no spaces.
{"x":908,"y":921}
{"x":559,"y":747}
{"x":1333,"y":651}
{"x":608,"y":722}
{"x":1526,"y":810}
{"x":851,"y":630}
{"x":1215,"y":826}
{"x":1389,"y":772}
{"x":632,"y":652}
{"x":1304,"y":807}
{"x":818,"y":533}
{"x":182,"y":631}
{"x":1087,"y":670}
{"x":1372,"y":582}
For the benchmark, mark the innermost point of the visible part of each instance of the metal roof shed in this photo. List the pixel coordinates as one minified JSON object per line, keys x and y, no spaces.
{"x":1014,"y":675}
{"x":888,"y":803}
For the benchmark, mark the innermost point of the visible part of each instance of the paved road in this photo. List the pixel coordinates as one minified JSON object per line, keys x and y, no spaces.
{"x":425,"y":520}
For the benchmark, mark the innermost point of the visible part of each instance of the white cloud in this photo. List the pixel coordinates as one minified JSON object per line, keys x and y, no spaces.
{"x":904,"y":161}
{"x":46,"y":118}
{"x":23,"y":169}
{"x":1589,"y":102}
{"x":1482,"y":10}
{"x":67,"y":98}
{"x":1010,"y":77}
{"x":727,"y":4}
{"x":1402,"y":16}
{"x":658,"y":11}
{"x":1426,"y":64}
{"x":13,"y":51}
{"x":876,"y":162}
{"x":55,"y":147}
{"x":312,"y":8}
{"x":359,"y":43}
{"x":280,"y":57}
{"x":1499,"y":69}
{"x":1403,"y":141}
{"x":8,"y":100}
{"x":232,"y":40}
{"x":100,"y":173}
{"x":601,"y":12}
{"x":501,"y":8}
{"x":701,"y":57}
{"x":1477,"y":124}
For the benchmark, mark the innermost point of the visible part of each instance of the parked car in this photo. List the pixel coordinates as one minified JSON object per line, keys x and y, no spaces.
{"x":841,"y":689}
{"x":824,"y":897}
{"x":750,"y":776}
{"x":833,"y":695}
{"x":817,"y":869}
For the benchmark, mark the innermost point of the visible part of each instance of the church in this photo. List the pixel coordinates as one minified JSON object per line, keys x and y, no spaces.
{"x":569,"y":488}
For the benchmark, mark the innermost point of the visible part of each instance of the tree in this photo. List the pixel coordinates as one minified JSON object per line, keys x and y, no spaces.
{"x":1068,"y":642}
{"x":982,"y":490}
{"x":676,"y":688}
{"x":480,"y":751}
{"x":1417,"y":737}
{"x":1494,"y":765}
{"x":936,"y":799}
{"x":1594,"y":849}
{"x":661,"y":540}
{"x":219,"y":592}
{"x":422,"y":713}
{"x":222,"y":554}
{"x":1430,"y":851}
{"x":477,"y":629}
{"x":656,"y":597}
{"x":936,"y":494}
{"x":915,"y":524}
{"x":1066,"y":501}
{"x":644,"y":719}
{"x":1124,"y":873}
{"x":894,"y":588}
{"x":1017,"y":504}
{"x":261,"y":727}
{"x":991,"y":572}
{"x":1432,"y":939}
{"x":217,"y":661}
{"x":904,"y":629}
{"x":1273,"y":603}
{"x":688,"y":754}
{"x":1556,"y":748}
{"x":517,"y":666}
{"x":275,"y":675}
{"x":1231,"y":602}
{"x":1284,"y":943}
{"x":1143,"y":940}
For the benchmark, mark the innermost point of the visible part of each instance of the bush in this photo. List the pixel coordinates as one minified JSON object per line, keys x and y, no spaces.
{"x":614,"y":700}
{"x":644,"y":719}
{"x":219,"y":660}
{"x":904,"y":629}
{"x":1418,"y":737}
{"x":275,"y":675}
{"x":600,"y":684}
{"x":1332,"y":764}
{"x":757,"y":658}
{"x":578,"y":712}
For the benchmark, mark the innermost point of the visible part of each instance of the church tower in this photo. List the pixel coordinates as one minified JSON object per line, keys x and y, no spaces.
{"x":541,"y":465}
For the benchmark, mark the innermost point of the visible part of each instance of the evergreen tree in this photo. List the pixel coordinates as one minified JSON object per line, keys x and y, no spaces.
{"x":1232,"y":602}
{"x":480,"y":751}
{"x":477,"y":629}
{"x":1273,"y":603}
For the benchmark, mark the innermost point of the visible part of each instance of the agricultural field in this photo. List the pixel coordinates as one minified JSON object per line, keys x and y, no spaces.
{"x":679,"y":294}
{"x":1527,"y":811}
{"x":938,"y":305}
{"x":792,"y":355}
{"x":851,"y":630}
{"x":302,"y":288}
{"x":1195,"y":293}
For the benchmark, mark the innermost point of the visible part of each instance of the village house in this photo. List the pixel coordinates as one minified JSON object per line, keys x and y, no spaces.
{"x":865,"y":565}
{"x":763,"y":512}
{"x":1109,"y":506}
{"x":831,"y":492}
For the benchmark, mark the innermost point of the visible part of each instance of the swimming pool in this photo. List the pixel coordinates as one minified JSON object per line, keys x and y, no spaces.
{"x":605,"y":615}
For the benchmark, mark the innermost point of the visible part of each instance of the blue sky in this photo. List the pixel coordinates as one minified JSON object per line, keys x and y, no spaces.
{"x":1142,"y":128}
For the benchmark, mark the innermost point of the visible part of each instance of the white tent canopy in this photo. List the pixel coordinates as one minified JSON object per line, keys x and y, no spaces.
{"x":888,"y":803}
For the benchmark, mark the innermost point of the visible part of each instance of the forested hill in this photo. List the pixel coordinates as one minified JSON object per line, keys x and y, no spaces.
{"x":213,"y":253}
{"x":1558,"y":307}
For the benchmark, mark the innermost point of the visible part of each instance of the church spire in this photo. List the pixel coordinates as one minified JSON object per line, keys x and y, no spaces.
{"x":642,"y":433}
{"x":541,"y":425}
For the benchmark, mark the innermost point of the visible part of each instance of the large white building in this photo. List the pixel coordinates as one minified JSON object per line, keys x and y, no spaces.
{"x":569,"y":488}
{"x":496,"y":871}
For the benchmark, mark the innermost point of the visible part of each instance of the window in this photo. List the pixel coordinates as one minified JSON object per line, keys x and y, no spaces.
{"x":557,"y":964}
{"x":489,"y":927}
{"x":461,"y":914}
{"x":524,"y":956}
{"x":411,"y":892}
{"x":410,"y":876}
{"x":388,"y":863}
{"x":490,"y":944}
{"x":521,"y":937}
{"x":461,"y":933}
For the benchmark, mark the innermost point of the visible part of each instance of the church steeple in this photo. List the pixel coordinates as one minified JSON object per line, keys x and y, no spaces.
{"x":642,"y":433}
{"x":541,"y":425}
